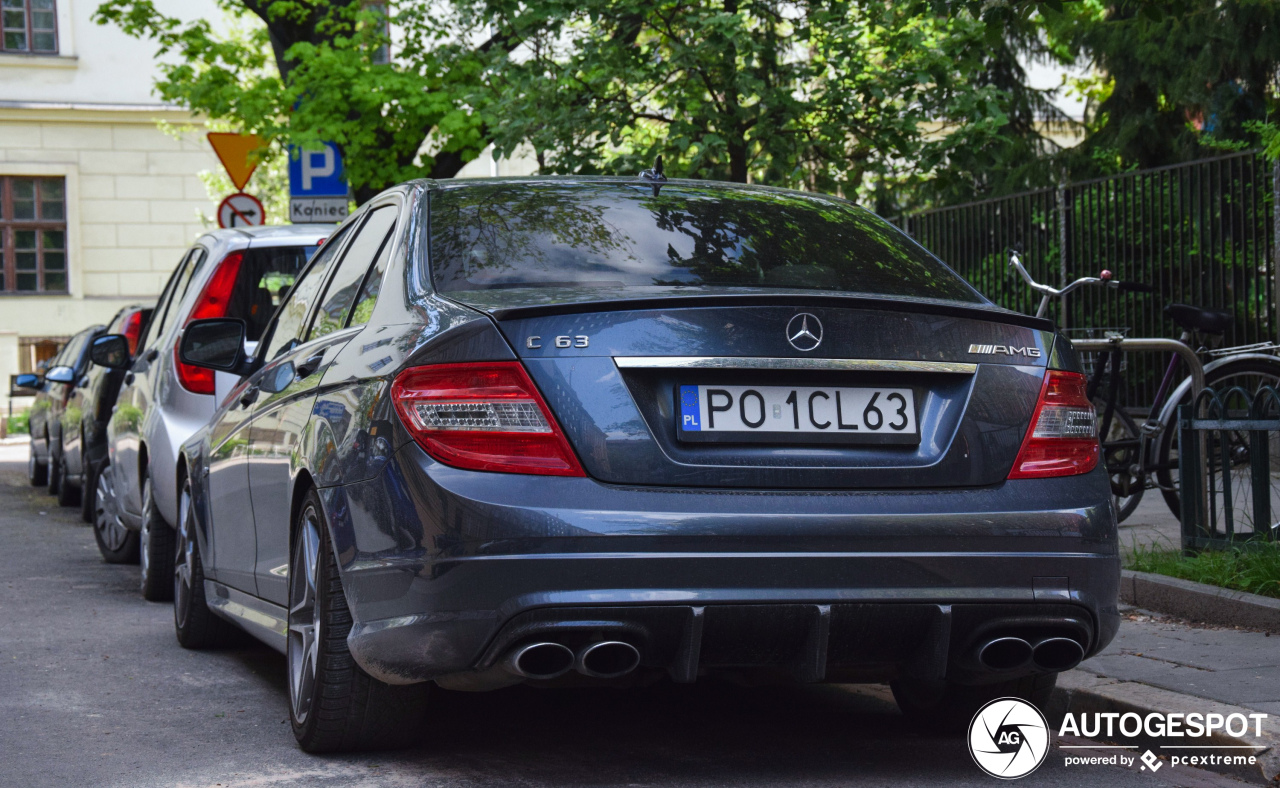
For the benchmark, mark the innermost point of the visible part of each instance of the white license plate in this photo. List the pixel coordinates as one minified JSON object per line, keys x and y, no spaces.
{"x":803,"y":413}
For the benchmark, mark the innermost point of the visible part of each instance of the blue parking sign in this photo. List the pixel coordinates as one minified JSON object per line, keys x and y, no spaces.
{"x":316,"y":173}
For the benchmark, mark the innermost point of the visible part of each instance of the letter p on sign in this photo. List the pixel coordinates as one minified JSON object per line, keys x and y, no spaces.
{"x":316,"y":173}
{"x":311,"y":170}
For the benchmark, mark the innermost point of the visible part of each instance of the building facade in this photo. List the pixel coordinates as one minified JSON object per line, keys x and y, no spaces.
{"x":97,"y":203}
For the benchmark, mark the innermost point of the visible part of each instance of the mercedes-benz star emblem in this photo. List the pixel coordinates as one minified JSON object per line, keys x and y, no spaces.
{"x":804,"y":332}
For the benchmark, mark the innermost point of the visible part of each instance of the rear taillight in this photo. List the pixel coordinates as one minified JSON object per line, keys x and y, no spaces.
{"x":212,"y":303}
{"x":1063,"y":439}
{"x":483,"y":417}
{"x":133,"y":330}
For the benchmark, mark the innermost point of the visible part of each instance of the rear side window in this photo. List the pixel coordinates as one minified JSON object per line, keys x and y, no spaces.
{"x":624,"y":236}
{"x":298,"y":300}
{"x":356,"y":263}
{"x":177,"y":291}
{"x":266,"y":274}
{"x":71,"y":353}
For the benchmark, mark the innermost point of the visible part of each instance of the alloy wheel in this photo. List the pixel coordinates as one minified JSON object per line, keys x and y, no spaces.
{"x":304,"y":615}
{"x":106,"y":514}
{"x":182,"y":559}
{"x":144,"y":536}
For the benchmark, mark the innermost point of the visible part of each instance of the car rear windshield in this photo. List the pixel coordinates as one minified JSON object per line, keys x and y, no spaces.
{"x":553,"y":235}
{"x":265,"y":276}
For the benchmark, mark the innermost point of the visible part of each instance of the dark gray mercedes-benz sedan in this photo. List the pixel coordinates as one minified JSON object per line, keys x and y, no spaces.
{"x":617,"y":431}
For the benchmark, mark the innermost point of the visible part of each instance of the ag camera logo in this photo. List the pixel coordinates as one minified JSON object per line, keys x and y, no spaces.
{"x":1008,"y":738}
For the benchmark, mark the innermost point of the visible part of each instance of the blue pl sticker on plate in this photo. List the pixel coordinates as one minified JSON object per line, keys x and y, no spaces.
{"x":689,"y":410}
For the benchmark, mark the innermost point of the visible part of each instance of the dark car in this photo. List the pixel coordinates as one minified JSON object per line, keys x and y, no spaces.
{"x":604,"y":431}
{"x":84,"y":444}
{"x":53,"y":409}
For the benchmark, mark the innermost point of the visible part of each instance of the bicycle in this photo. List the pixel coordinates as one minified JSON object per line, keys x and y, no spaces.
{"x":1142,"y":457}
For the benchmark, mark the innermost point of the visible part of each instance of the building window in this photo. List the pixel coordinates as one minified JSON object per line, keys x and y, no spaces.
{"x":35,"y":353}
{"x":28,"y":26}
{"x":33,"y":234}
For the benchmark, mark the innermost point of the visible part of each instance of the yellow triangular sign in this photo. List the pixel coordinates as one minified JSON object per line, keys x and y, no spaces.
{"x":236,"y":151}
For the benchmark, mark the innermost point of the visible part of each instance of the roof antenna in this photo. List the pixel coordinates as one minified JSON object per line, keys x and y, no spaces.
{"x":655,"y":175}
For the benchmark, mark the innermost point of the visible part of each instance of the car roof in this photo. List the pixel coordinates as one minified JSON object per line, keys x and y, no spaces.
{"x":271,"y":235}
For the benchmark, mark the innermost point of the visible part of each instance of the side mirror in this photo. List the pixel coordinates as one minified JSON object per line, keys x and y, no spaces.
{"x":27,"y":381}
{"x":110,"y":351}
{"x":60,"y":375}
{"x":215,"y":343}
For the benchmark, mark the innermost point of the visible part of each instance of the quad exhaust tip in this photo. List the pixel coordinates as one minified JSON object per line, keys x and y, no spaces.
{"x":608,"y":659}
{"x":1007,"y":653}
{"x":1057,"y":654}
{"x":540,"y":661}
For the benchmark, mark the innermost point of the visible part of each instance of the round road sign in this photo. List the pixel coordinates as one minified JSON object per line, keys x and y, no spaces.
{"x":241,"y":210}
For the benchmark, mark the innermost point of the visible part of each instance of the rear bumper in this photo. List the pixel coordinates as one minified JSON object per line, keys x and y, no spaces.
{"x":446,"y":569}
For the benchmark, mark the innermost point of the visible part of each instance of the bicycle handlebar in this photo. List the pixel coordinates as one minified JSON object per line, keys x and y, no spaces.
{"x":1015,"y":262}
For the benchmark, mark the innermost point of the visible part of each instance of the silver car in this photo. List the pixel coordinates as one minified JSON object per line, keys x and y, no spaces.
{"x":237,"y":273}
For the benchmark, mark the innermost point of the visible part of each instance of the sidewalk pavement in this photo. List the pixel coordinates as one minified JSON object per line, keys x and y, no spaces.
{"x":1158,"y":664}
{"x":1151,"y":524}
{"x":1222,"y":664}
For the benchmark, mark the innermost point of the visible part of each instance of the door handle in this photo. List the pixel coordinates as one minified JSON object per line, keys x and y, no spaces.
{"x":151,"y":355}
{"x":307,"y":368}
{"x":249,"y":397}
{"x":128,"y":378}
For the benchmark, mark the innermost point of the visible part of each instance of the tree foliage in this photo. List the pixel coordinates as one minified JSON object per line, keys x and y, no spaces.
{"x":1182,"y":78}
{"x":306,"y":71}
{"x":834,"y":95}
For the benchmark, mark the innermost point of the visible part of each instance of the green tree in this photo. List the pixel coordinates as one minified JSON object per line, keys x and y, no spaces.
{"x":828,"y":94}
{"x":306,"y":71}
{"x":1183,"y":77}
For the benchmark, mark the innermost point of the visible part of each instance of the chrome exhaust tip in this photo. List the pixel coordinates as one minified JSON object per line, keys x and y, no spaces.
{"x":608,"y":659}
{"x":1057,"y":654}
{"x":1007,"y":653}
{"x":540,"y":661}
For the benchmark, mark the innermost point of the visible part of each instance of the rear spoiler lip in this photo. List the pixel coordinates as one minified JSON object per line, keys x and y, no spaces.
{"x":977,"y":312}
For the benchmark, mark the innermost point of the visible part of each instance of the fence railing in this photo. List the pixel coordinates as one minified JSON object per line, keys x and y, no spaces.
{"x":1229,"y":467}
{"x":1201,"y":233}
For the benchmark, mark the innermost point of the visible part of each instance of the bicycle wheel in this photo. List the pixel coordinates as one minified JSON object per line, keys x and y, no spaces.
{"x":1248,"y":374}
{"x":1119,"y":456}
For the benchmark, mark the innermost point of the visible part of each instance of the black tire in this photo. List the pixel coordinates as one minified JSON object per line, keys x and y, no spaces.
{"x":68,"y":494}
{"x":55,"y":474}
{"x":116,"y":543}
{"x":87,"y":491}
{"x":37,"y":472}
{"x":1250,"y":370}
{"x":1119,"y":452}
{"x":194,"y":623}
{"x":947,"y":708}
{"x":333,"y":704}
{"x":156,"y":550}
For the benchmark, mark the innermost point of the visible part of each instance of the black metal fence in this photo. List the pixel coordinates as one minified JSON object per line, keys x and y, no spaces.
{"x":1201,"y":233}
{"x":1229,"y":467}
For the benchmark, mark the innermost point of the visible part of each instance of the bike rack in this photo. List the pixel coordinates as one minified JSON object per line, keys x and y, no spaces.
{"x":1193,"y":511}
{"x":1152,"y":346}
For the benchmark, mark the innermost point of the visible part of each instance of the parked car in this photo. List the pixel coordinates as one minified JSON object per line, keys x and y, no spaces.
{"x":241,"y":274}
{"x":53,"y":409}
{"x":608,"y":430}
{"x":84,"y":445}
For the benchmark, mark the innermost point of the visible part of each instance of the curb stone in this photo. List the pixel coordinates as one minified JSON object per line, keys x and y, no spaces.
{"x":1081,"y":692}
{"x":1198,"y":601}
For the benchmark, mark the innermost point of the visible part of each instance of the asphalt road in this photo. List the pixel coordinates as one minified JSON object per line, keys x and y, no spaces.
{"x":95,"y":691}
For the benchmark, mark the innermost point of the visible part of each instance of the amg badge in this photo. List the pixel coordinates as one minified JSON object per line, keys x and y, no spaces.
{"x":1008,"y":350}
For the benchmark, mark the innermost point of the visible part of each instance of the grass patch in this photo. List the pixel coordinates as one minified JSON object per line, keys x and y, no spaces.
{"x":1255,"y":569}
{"x":17,"y":424}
